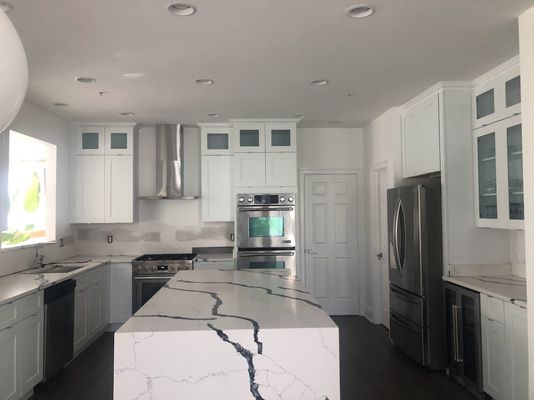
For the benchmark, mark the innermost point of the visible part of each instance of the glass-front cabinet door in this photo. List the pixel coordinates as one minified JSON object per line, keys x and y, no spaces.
{"x":281,"y":137}
{"x":497,"y":98}
{"x":499,"y":174}
{"x":119,"y":140}
{"x":216,"y":139}
{"x":249,"y":137}
{"x":487,"y":175}
{"x":89,"y":140}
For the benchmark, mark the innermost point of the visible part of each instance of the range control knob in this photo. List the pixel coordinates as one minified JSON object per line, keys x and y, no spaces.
{"x":290,"y":199}
{"x":250,"y":199}
{"x":282,"y":199}
{"x":241,"y":199}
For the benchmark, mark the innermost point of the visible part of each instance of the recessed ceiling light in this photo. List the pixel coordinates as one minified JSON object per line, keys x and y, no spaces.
{"x":60,"y":104}
{"x":214,"y":115}
{"x":204,"y":81}
{"x":319,"y":82}
{"x":300,"y":116}
{"x":360,"y":11}
{"x":85,"y":79}
{"x":181,"y":9}
{"x":5,"y":6}
{"x":133,"y":75}
{"x":127,"y":114}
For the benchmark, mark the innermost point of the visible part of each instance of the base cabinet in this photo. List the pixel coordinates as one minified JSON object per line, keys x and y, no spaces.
{"x":120,"y":282}
{"x":515,"y":333}
{"x":9,"y":387}
{"x":493,"y":350}
{"x":81,"y":329}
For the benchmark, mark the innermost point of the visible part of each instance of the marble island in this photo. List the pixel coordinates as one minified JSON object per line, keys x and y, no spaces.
{"x":228,"y":335}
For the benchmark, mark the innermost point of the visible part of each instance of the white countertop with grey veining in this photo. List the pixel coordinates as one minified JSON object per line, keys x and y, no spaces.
{"x":508,"y":287}
{"x":15,"y":286}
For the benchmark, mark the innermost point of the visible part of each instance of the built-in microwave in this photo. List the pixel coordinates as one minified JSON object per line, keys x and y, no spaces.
{"x":266,"y":221}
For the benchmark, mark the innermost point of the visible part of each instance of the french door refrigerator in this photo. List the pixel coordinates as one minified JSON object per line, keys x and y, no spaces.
{"x":415,"y":273}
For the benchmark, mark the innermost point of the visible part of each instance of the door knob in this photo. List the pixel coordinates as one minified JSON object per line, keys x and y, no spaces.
{"x":380,"y":256}
{"x":311,"y":252}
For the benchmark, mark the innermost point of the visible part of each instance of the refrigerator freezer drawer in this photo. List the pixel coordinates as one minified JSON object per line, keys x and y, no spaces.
{"x":410,"y":338}
{"x":407,"y":305}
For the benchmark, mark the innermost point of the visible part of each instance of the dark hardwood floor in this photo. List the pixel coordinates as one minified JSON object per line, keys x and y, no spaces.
{"x":371,"y":368}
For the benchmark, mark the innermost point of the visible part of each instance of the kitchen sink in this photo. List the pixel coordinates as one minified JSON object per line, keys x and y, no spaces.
{"x":55,"y":269}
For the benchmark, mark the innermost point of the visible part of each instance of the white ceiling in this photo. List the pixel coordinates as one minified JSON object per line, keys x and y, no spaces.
{"x":261,"y":54}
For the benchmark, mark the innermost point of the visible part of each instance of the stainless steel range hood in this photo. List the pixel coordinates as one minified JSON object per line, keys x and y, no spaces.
{"x":170,"y":168}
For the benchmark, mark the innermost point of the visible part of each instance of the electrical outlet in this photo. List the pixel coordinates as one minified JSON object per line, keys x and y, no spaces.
{"x":60,"y":242}
{"x":110,"y":238}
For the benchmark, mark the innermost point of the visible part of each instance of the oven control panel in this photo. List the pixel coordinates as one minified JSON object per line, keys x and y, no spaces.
{"x":254,"y":199}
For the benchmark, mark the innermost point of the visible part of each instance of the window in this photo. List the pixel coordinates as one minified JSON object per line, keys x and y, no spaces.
{"x":29,"y":213}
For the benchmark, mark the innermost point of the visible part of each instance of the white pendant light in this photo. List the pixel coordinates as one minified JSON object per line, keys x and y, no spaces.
{"x":13,"y":72}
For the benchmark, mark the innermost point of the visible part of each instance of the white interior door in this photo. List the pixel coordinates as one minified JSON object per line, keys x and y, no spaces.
{"x":331,"y":267}
{"x":379,"y":276}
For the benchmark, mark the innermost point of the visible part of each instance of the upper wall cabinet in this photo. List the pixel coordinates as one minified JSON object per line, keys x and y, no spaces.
{"x":499,"y":175}
{"x":420,"y":137}
{"x":249,"y":137}
{"x":497,"y":95}
{"x":216,"y":139}
{"x":101,"y":140}
{"x":281,"y":137}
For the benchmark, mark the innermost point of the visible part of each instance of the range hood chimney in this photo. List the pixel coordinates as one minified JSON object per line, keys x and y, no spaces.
{"x":170,"y":163}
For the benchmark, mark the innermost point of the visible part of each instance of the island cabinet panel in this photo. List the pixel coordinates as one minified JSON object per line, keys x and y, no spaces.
{"x":258,"y":354}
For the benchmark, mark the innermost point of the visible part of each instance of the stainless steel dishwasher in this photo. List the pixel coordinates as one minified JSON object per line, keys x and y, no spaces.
{"x":59,"y":327}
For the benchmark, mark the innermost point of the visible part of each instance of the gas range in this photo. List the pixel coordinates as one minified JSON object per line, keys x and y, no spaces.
{"x":162,"y":264}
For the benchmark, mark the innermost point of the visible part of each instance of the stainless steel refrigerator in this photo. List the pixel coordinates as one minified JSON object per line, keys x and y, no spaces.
{"x":415,"y":273}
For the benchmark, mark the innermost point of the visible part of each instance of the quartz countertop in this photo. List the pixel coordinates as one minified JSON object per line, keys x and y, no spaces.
{"x":508,"y":287}
{"x":226,"y":335}
{"x":191,"y":298}
{"x":15,"y":286}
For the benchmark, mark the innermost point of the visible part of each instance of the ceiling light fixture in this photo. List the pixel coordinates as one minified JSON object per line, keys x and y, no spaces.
{"x":60,"y":104}
{"x":133,"y":75}
{"x":319,"y":82}
{"x":181,"y":9}
{"x":360,"y":11}
{"x":5,"y":6}
{"x":204,"y":81}
{"x":214,"y":115}
{"x":127,"y":114}
{"x":85,"y":79}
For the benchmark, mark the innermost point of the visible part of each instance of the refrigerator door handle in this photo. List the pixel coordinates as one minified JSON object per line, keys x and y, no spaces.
{"x":396,"y":235}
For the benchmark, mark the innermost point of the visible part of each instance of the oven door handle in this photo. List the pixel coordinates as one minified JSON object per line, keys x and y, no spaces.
{"x":248,"y":209}
{"x":268,"y":254}
{"x":149,"y":277}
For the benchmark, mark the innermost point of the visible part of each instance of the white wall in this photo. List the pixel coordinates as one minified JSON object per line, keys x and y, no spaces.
{"x":41,"y":124}
{"x":526,"y":47}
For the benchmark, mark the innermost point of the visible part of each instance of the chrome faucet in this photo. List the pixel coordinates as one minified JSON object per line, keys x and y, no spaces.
{"x":41,"y":263}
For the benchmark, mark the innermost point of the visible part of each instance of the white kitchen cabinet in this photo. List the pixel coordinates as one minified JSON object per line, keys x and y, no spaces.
{"x":120,"y":286}
{"x":119,"y":189}
{"x":217,"y":196}
{"x":421,"y":137}
{"x":493,"y":360}
{"x":516,"y":352}
{"x":281,"y":137}
{"x":81,"y":328}
{"x":89,"y":140}
{"x":497,"y":95}
{"x":216,"y":139}
{"x":249,"y":169}
{"x":9,"y":369}
{"x":30,"y":339}
{"x":249,"y":137}
{"x":119,"y":140}
{"x":95,"y":299}
{"x":89,"y":196}
{"x":498,"y":167}
{"x":281,"y":169}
